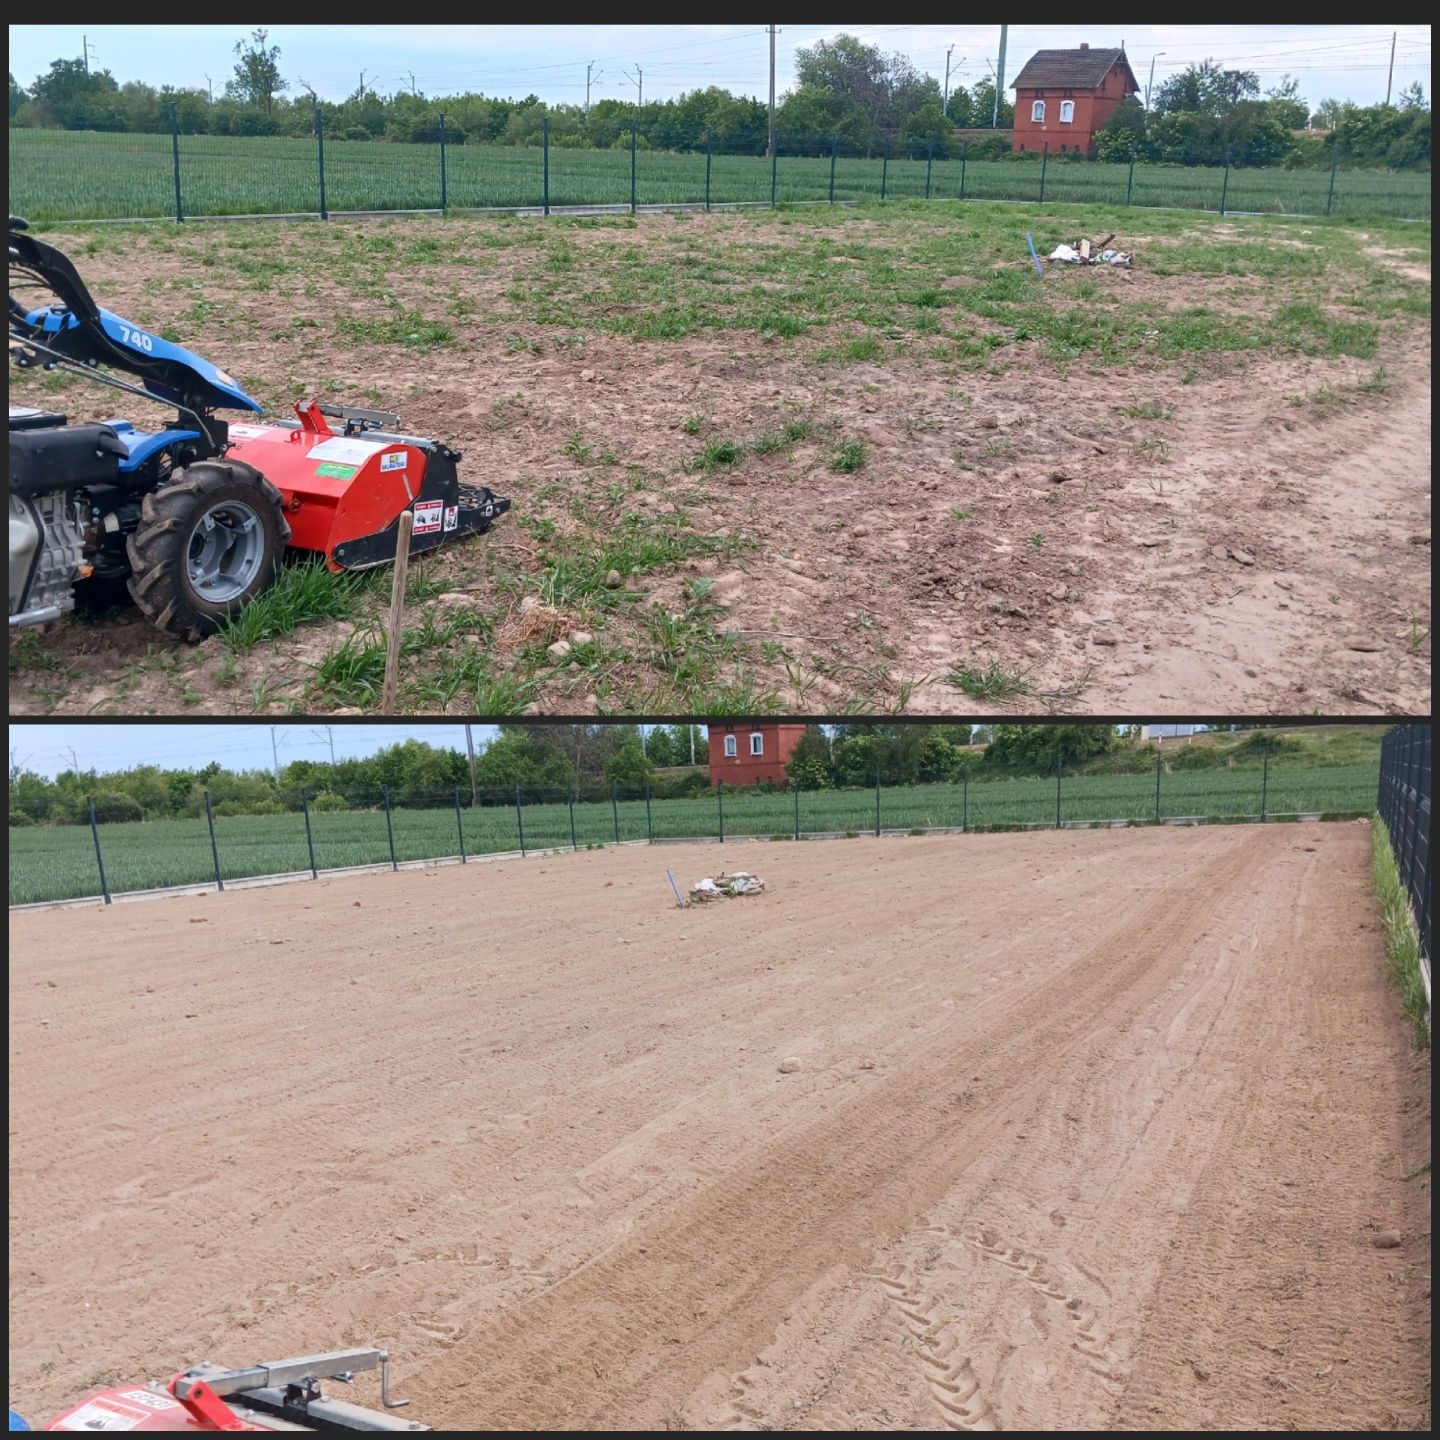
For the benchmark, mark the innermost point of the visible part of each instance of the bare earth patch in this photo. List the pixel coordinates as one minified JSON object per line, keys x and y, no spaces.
{"x":1116,"y":486}
{"x":1101,"y":1138}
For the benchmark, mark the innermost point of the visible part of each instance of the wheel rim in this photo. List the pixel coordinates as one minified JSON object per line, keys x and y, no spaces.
{"x":227,"y":549}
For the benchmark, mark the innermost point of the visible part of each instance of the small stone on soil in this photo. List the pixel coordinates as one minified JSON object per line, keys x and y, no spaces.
{"x":1242,"y":557}
{"x":612,"y":580}
{"x":1362,"y":642}
{"x":1386,"y":1240}
{"x":789,"y":1065}
{"x":559,"y":650}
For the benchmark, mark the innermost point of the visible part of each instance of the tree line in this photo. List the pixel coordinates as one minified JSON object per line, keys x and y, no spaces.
{"x":848,"y":96}
{"x":553,"y":759}
{"x":1206,"y":114}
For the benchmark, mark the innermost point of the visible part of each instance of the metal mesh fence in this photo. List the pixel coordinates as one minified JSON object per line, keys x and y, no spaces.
{"x":1404,"y":806}
{"x":67,"y":175}
{"x":302,"y":833}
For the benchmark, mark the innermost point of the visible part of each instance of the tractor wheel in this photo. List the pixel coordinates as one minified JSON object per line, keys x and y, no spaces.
{"x":208,"y":542}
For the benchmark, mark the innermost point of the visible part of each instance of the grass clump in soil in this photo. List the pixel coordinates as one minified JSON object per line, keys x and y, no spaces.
{"x":1402,"y":940}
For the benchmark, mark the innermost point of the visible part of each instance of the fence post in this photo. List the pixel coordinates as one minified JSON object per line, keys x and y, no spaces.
{"x":214,"y":848}
{"x":774,"y":169}
{"x":1130,"y":179}
{"x":175,"y":156}
{"x":797,"y":812}
{"x":964,"y":156}
{"x":99,"y":858}
{"x":1225,"y":183}
{"x":1057,"y":789}
{"x":574,"y":843}
{"x":309,"y":837}
{"x":519,"y":820}
{"x":929,"y":163}
{"x":834,"y":146}
{"x":649,"y":828}
{"x":460,"y":825}
{"x":877,"y":804}
{"x":390,"y":830}
{"x":615,"y":811}
{"x":545,"y":152}
{"x":1159,"y":766}
{"x":709,"y":144}
{"x":320,"y":147}
{"x":444,"y":198}
{"x":720,"y":802}
{"x":1264,"y":787}
{"x":633,"y":143}
{"x":1334,"y":166}
{"x":1044,"y":162}
{"x":884,"y":173}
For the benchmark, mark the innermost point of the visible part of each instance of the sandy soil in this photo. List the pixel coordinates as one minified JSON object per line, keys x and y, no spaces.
{"x":1258,"y":550}
{"x":1091,"y":1129}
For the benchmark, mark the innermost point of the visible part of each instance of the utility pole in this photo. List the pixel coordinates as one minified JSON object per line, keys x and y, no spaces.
{"x":74,"y":759}
{"x":470,"y":746}
{"x":86,"y":47}
{"x":210,"y":86}
{"x":590,"y":65}
{"x":275,"y":752}
{"x":330,"y":737}
{"x":362,"y":87}
{"x":945,"y":103}
{"x":1389,"y":79}
{"x":638,"y":81}
{"x":1151,"y":80}
{"x":770,"y":150}
{"x":691,"y":729}
{"x":999,"y":78}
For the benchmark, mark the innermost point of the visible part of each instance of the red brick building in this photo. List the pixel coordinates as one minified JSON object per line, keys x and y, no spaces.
{"x":746,"y":754}
{"x":1062,"y":97}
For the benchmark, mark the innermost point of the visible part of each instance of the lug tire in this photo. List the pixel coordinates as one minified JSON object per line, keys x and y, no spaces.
{"x":160,"y":547}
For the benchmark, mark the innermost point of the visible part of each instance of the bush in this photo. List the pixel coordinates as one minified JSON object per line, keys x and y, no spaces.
{"x":1266,"y":742}
{"x":328,"y":800}
{"x":111,"y":807}
{"x":1197,"y":757}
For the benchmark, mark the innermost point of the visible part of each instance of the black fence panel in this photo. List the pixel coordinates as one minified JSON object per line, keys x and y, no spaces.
{"x":1404,"y":806}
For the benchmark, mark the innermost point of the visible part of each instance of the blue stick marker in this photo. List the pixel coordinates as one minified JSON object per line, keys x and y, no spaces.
{"x":678,"y":900}
{"x":1029,"y":240}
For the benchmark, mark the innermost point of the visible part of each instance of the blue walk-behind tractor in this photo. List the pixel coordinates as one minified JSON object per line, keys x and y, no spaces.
{"x":192,"y":520}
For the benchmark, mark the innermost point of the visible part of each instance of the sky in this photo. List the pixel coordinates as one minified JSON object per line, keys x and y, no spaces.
{"x":47,"y":748}
{"x":1345,"y":62}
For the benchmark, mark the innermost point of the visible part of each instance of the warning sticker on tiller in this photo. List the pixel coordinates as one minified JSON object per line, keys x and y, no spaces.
{"x":429,"y":515}
{"x":452,"y":517}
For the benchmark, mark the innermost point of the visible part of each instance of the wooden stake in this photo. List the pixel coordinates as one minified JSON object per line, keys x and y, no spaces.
{"x":397,"y":613}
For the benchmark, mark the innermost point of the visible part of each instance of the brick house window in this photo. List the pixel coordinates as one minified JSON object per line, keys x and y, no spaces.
{"x":1037,"y":112}
{"x":730,"y":749}
{"x":757,"y":744}
{"x":1067,"y":112}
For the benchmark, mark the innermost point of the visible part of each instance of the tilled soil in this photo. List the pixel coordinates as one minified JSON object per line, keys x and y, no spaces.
{"x":1258,"y":541}
{"x":1090,"y":1129}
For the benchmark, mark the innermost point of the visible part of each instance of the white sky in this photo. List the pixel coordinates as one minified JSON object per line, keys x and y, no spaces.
{"x":1346,"y":62}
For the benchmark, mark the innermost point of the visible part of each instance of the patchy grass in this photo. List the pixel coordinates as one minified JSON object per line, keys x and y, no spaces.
{"x":305,"y":592}
{"x":993,"y":682}
{"x":1402,"y":941}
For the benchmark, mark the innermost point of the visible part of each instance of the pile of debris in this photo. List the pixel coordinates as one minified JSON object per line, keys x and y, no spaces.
{"x":1091,"y":252}
{"x":720,"y":886}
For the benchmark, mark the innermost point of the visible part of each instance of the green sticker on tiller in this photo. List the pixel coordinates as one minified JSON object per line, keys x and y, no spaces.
{"x":336,"y":472}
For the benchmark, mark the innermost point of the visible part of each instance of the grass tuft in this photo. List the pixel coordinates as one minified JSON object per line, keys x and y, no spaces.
{"x":1402,"y":940}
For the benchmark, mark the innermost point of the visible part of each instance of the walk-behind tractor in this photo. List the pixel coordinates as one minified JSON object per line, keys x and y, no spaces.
{"x":276,"y":1395}
{"x":192,"y":520}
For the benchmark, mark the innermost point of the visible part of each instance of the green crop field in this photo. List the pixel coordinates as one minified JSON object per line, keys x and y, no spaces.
{"x":78,"y":175}
{"x":58,"y":862}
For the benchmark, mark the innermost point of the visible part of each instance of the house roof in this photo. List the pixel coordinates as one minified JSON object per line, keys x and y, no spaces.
{"x":1077,"y":69}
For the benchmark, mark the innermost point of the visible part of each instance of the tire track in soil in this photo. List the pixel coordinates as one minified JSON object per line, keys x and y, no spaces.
{"x":626,"y":1337}
{"x":949,"y":1372}
{"x":1093,"y":1343}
